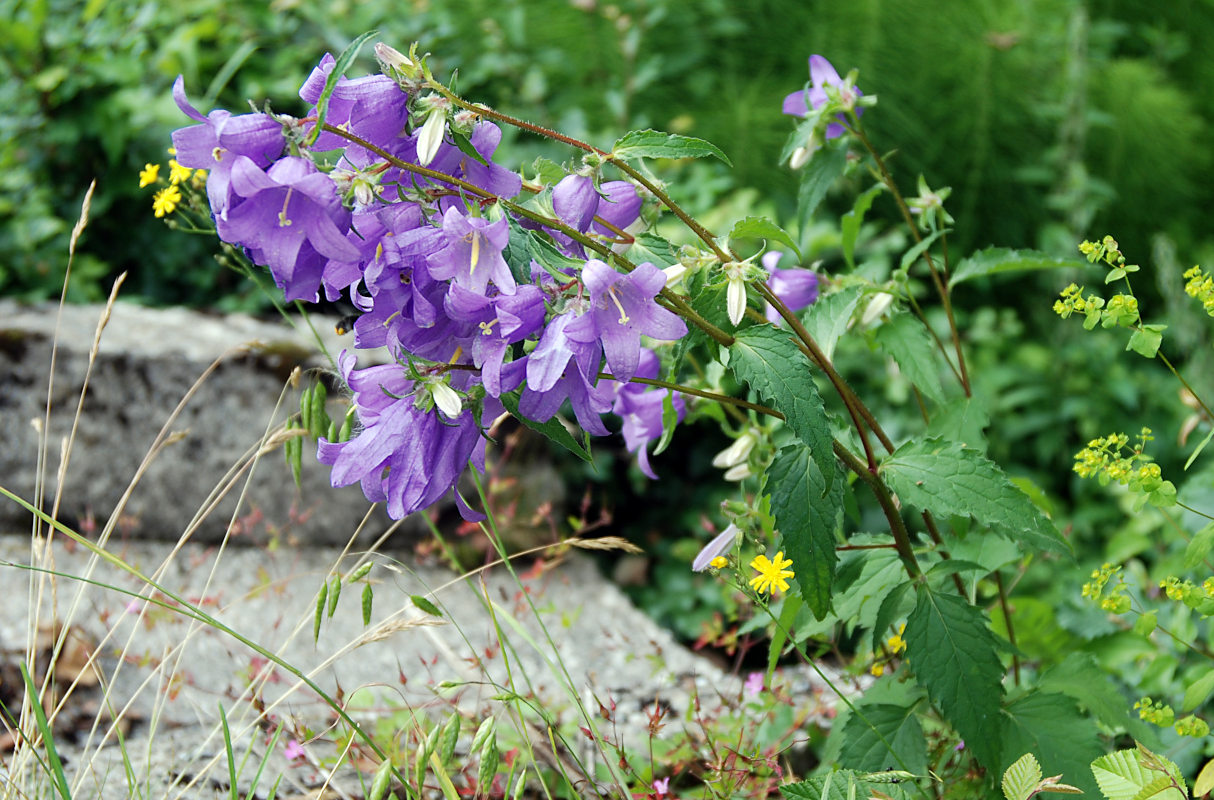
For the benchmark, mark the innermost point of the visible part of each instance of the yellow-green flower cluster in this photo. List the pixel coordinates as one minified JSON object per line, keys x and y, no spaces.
{"x":1107,"y":250}
{"x":1199,"y":597}
{"x":1201,"y":287}
{"x":1104,"y":458}
{"x":166,"y":199}
{"x":1161,"y":714}
{"x":1116,"y":600}
{"x":1072,"y":301}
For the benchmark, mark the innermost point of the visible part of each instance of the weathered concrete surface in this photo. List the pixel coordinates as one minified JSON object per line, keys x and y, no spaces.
{"x":148,"y":361}
{"x":174,"y":673}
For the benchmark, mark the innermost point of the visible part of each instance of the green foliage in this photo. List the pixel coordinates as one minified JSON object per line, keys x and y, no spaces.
{"x":805,"y":509}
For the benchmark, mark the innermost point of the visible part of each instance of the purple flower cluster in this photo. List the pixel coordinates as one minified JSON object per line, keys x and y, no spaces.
{"x":434,"y":277}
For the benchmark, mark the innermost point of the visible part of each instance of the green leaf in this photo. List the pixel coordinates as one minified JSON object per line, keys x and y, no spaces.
{"x":892,"y":608}
{"x":907,"y":342}
{"x":881,"y":735}
{"x":1198,"y":691}
{"x":998,"y":260}
{"x":339,"y":69}
{"x":961,"y":420}
{"x":912,"y":255}
{"x":654,"y":249}
{"x":823,"y":169}
{"x":788,"y":615}
{"x":465,"y":145}
{"x":952,"y":651}
{"x":827,"y":319}
{"x":1050,"y":726}
{"x":1199,"y":546}
{"x":1021,"y":778}
{"x":553,"y":429}
{"x":768,"y":361}
{"x":425,"y":605}
{"x":656,"y":144}
{"x":841,"y":784}
{"x":1080,"y":677}
{"x":1122,"y":776}
{"x":1145,"y":342}
{"x":806,"y":513}
{"x":947,"y":478}
{"x":1197,"y":450}
{"x":762,"y":228}
{"x":852,"y":221}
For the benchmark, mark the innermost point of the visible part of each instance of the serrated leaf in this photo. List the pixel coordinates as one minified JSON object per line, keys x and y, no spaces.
{"x":841,"y":784}
{"x":1021,"y":778}
{"x":952,"y":651}
{"x":1080,"y":677}
{"x":340,"y":66}
{"x":425,"y":605}
{"x":553,"y":429}
{"x":654,"y":249}
{"x":1121,"y":776}
{"x":879,"y":735}
{"x":1198,"y":691}
{"x":657,"y":144}
{"x":997,"y":260}
{"x":1051,"y":727}
{"x":949,"y":479}
{"x":823,"y":169}
{"x":768,"y":361}
{"x":852,"y":220}
{"x":762,"y":228}
{"x":907,"y":342}
{"x":806,"y":513}
{"x":827,"y":319}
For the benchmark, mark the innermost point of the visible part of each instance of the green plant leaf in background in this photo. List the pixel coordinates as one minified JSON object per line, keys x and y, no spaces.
{"x":656,"y":144}
{"x":553,"y":429}
{"x":953,"y":653}
{"x":879,"y":735}
{"x":852,"y":221}
{"x":1124,"y":775}
{"x":907,"y":342}
{"x":999,"y":260}
{"x":806,"y":514}
{"x":948,"y":478}
{"x":827,"y":319}
{"x":762,"y":228}
{"x":766,"y":358}
{"x":817,"y":177}
{"x":1050,"y":726}
{"x":1021,"y":778}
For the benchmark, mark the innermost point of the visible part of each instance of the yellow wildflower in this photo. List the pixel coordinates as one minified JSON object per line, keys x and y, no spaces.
{"x":165,"y":201}
{"x":772,"y":573}
{"x":720,"y":562}
{"x":178,"y":173}
{"x":149,"y":174}
{"x":877,"y":669}
{"x":896,"y":643}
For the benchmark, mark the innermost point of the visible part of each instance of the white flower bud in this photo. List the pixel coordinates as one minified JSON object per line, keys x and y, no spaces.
{"x":736,"y":453}
{"x":431,"y":136}
{"x":447,"y":399}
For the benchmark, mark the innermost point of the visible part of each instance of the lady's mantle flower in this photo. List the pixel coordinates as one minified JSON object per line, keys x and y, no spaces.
{"x":772,"y":574}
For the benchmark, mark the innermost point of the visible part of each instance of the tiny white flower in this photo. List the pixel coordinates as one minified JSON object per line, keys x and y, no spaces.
{"x":736,"y":453}
{"x":431,"y":136}
{"x":738,"y":473}
{"x":447,"y":399}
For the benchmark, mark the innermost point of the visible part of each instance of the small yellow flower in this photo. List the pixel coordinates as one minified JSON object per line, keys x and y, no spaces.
{"x":178,"y":173}
{"x":877,"y":670}
{"x":720,"y":562}
{"x":896,"y":643}
{"x":149,"y":174}
{"x":200,"y":179}
{"x":165,"y":201}
{"x":772,"y":573}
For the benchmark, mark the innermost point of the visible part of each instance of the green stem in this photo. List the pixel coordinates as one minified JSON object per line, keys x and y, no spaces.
{"x":1185,"y":384}
{"x":897,"y":526}
{"x":907,"y":217}
{"x":719,"y":398}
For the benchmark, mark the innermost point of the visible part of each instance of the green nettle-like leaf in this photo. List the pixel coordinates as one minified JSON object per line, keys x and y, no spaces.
{"x":762,"y":228}
{"x":768,"y":361}
{"x":1122,"y":776}
{"x":947,"y":478}
{"x":654,"y":249}
{"x":879,"y":735}
{"x":1051,"y":727}
{"x":963,"y":419}
{"x":827,"y":319}
{"x":891,"y":609}
{"x":1021,"y":778}
{"x":1079,"y":676}
{"x":852,"y":221}
{"x":907,"y":342}
{"x":921,"y":247}
{"x":997,"y":260}
{"x":817,"y":177}
{"x":656,"y":144}
{"x":952,"y":651}
{"x":553,"y":429}
{"x":806,"y":514}
{"x":842,"y":784}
